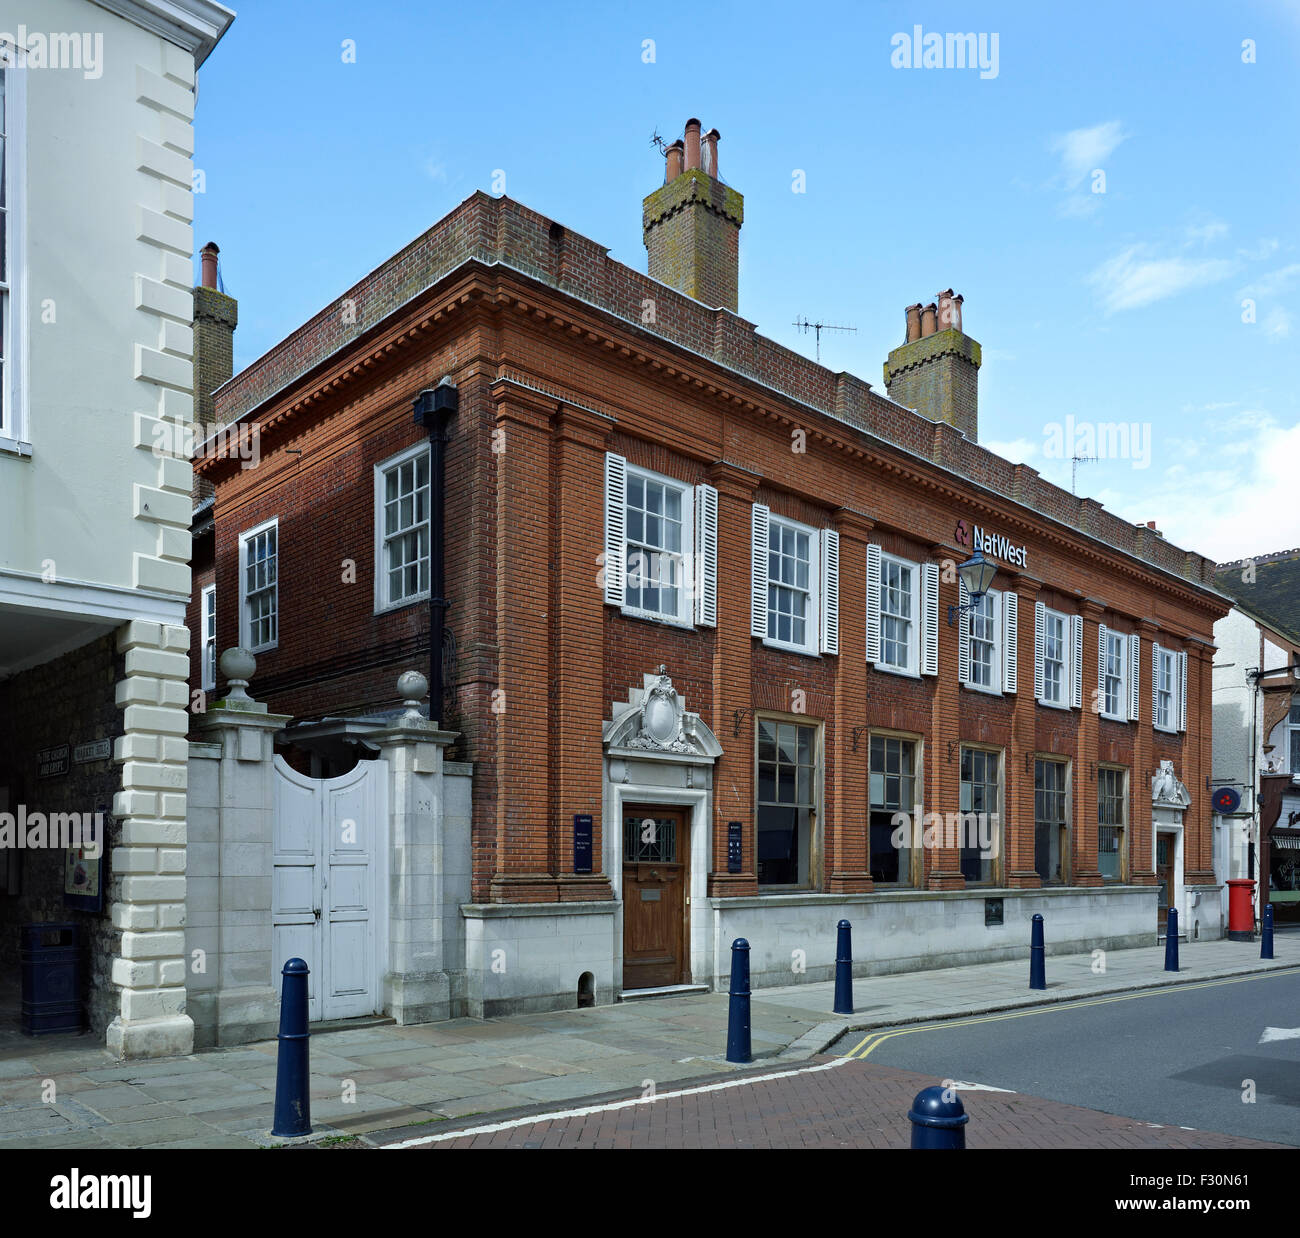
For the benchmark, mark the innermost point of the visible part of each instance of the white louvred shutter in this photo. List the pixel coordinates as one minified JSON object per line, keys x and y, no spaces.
{"x":615,"y":529}
{"x":706,"y":556}
{"x":1076,"y":669}
{"x":1101,"y":666}
{"x":830,"y":582}
{"x":1182,"y":691}
{"x":758,"y":566}
{"x":1010,"y":635}
{"x":873,"y":602}
{"x":963,"y":633}
{"x":1134,"y":666}
{"x":929,"y":618}
{"x":1155,"y":684}
{"x":1040,"y":642}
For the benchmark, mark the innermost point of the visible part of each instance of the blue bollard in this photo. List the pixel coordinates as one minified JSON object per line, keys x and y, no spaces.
{"x":1037,"y":955}
{"x":738,"y":1046}
{"x":937,"y":1122}
{"x":292,"y":1103}
{"x":843,"y":968}
{"x":1266,"y":933}
{"x":1171,"y":940}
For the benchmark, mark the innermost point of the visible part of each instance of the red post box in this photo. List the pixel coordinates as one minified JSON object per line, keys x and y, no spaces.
{"x":1241,"y":909}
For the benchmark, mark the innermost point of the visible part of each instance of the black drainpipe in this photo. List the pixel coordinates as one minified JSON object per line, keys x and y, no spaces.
{"x":434,"y":408}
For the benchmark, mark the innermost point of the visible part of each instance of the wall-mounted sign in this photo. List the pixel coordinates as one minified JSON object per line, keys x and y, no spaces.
{"x":53,"y":762}
{"x":96,"y":750}
{"x":1226,"y":800}
{"x":995,"y":545}
{"x":733,"y":846}
{"x":582,"y":842}
{"x":84,"y":874}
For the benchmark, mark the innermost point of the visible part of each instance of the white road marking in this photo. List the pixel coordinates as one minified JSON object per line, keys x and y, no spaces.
{"x":962,"y":1086}
{"x":1279,"y":1033}
{"x":562,"y":1114}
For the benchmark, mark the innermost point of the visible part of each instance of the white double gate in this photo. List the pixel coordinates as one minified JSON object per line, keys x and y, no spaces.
{"x":329,"y":885}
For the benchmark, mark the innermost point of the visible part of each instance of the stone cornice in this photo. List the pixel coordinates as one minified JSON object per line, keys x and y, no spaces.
{"x":195,"y":25}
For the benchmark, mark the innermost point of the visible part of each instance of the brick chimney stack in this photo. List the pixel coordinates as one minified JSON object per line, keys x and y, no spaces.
{"x":216,"y":316}
{"x":692,"y":223}
{"x":936,"y":368}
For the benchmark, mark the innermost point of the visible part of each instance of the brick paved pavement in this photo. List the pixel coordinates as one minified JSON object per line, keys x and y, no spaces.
{"x":851,"y":1105}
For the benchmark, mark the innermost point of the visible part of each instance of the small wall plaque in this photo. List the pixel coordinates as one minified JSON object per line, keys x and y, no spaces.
{"x":992,"y":911}
{"x":96,"y":750}
{"x":733,"y":846}
{"x":53,"y":762}
{"x":582,"y":842}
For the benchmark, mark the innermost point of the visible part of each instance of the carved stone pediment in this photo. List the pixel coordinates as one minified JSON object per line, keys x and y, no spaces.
{"x":1166,"y":790}
{"x":655,"y":722}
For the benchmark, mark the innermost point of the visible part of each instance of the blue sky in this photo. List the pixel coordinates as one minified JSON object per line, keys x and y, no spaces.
{"x":1124,"y":306}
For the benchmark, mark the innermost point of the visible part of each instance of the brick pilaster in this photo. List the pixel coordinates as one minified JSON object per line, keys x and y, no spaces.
{"x":1084,"y":834}
{"x":943,"y":751}
{"x":847,"y":858}
{"x":1142,"y":852}
{"x":1019,"y":834}
{"x":733,"y":784}
{"x":578,"y":669}
{"x":520,"y":705}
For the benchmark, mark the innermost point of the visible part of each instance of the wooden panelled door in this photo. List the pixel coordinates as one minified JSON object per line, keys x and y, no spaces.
{"x":654,"y":897}
{"x":1165,"y":874}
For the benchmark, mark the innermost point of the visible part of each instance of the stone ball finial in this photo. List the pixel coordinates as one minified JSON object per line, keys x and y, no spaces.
{"x":412,"y":687}
{"x":237,"y":665}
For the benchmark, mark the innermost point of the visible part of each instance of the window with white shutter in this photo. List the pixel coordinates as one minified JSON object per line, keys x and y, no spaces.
{"x":1112,"y":674}
{"x":661,"y":557}
{"x":1182,"y":691}
{"x":615,"y":528}
{"x":758,"y":539}
{"x":963,"y":633}
{"x":1058,"y":681}
{"x":1134,"y":667}
{"x":1076,"y":661}
{"x":1166,"y":676}
{"x":898,"y":605}
{"x":982,"y":638}
{"x":874,"y":559}
{"x":793,"y":581}
{"x":1040,"y":641}
{"x":830,"y":591}
{"x":930,"y":618}
{"x":705,"y":575}
{"x":1010,"y":635}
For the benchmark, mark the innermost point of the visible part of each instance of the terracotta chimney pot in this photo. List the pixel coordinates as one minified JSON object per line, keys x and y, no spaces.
{"x":913,"y":322}
{"x":676,"y":154}
{"x":928,"y":320}
{"x":209,"y":256}
{"x":692,"y":144}
{"x":710,"y":164}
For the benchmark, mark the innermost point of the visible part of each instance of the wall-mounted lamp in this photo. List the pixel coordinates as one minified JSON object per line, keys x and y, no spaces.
{"x":977,"y":575}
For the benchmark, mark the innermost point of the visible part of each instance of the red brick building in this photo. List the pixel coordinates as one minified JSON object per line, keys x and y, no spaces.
{"x":635,"y":480}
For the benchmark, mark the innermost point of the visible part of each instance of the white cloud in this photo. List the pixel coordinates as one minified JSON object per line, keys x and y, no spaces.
{"x":1083,"y":150}
{"x":1203,"y":234}
{"x":1133,"y":277}
{"x":1222,"y":512}
{"x":435,"y":169}
{"x":1266,"y":248}
{"x":1274,"y":282}
{"x":1277,"y":323}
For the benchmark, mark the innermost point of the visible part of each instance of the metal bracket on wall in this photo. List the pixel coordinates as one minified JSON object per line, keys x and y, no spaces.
{"x":857,"y":731}
{"x":738,"y":716}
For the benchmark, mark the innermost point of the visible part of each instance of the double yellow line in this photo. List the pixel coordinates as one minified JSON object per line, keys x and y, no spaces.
{"x":872,"y":1040}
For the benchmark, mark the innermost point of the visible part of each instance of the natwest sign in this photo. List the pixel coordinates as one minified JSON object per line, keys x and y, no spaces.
{"x":993,"y":544}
